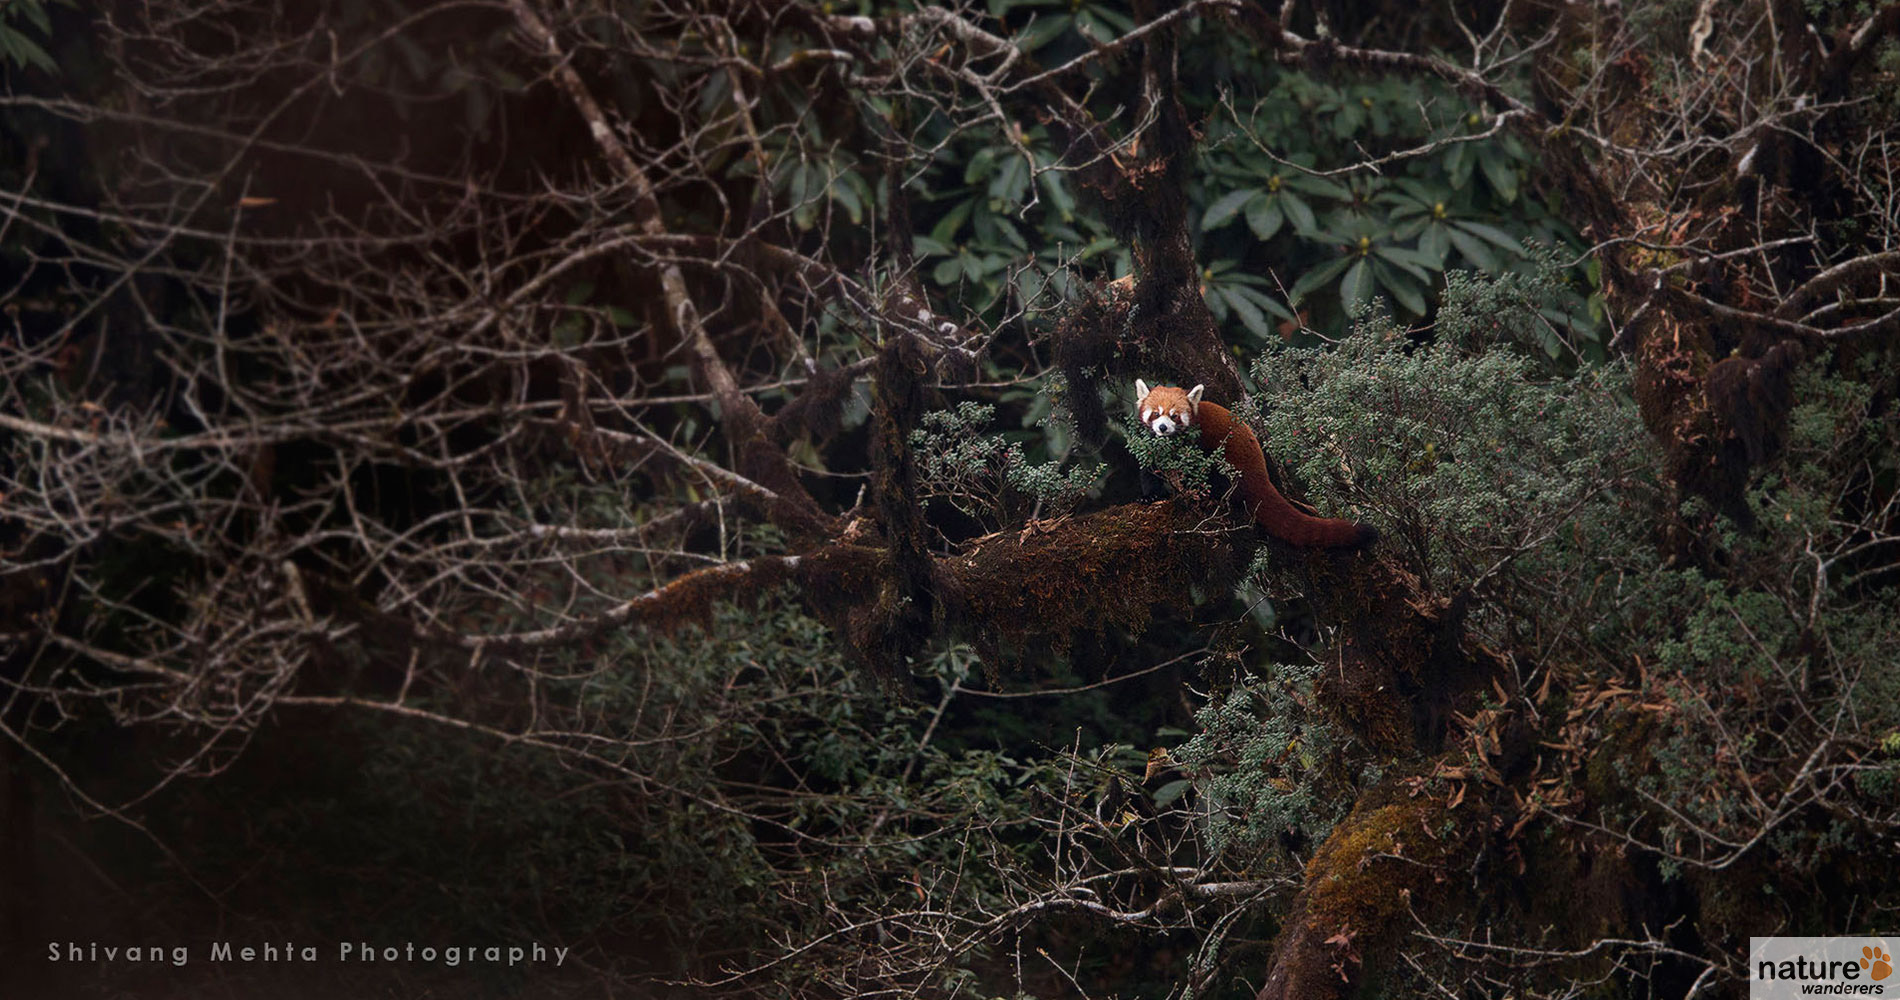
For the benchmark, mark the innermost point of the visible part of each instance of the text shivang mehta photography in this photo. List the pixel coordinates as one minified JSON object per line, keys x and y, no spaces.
{"x":987,"y":500}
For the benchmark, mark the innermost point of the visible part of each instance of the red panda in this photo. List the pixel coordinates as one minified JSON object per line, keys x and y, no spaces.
{"x":1168,"y":410}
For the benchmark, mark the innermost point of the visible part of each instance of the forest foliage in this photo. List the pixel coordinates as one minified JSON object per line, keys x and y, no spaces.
{"x":662,"y":478}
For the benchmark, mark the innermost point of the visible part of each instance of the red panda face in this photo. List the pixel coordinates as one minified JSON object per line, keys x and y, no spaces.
{"x":1167,"y":410}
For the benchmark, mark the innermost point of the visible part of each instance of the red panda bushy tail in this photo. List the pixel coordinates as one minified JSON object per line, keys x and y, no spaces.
{"x":1269,"y":508}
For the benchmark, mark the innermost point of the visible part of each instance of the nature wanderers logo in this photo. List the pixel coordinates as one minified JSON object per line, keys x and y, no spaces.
{"x":1781,"y":967}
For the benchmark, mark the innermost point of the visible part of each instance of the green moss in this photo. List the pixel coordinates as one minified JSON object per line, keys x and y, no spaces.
{"x":1363,"y":877}
{"x":1397,"y":855}
{"x":1110,"y":569}
{"x":1623,"y":750}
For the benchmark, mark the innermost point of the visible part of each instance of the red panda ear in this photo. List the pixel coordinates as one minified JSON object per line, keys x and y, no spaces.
{"x":1194,"y":395}
{"x":1141,"y":390}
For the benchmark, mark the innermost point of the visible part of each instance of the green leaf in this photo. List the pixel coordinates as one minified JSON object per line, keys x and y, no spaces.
{"x":1250,"y":315}
{"x":1299,"y":213}
{"x":1474,"y":249}
{"x":842,"y":193}
{"x":1012,"y":181}
{"x":1249,"y":279}
{"x":36,"y":13}
{"x":1356,"y":287}
{"x":1402,"y":289}
{"x":946,"y":271}
{"x":1502,"y":174}
{"x":1319,"y":186}
{"x":1058,"y":193}
{"x":945,"y":231}
{"x":793,"y":181}
{"x":1010,"y":233}
{"x":982,"y":162}
{"x":715,"y":95}
{"x":1547,"y":339}
{"x":1121,"y":22}
{"x":1410,"y":261}
{"x":1167,"y":794}
{"x":1226,"y":207}
{"x":25,"y":51}
{"x":1421,"y":193}
{"x":1503,"y":239}
{"x":1264,"y":217}
{"x":1216,"y":303}
{"x":1563,"y":319}
{"x":1317,"y":277}
{"x":983,"y":225}
{"x":1043,"y":31}
{"x":1348,"y":120}
{"x":1268,"y":303}
{"x":1408,"y":230}
{"x":1458,"y":165}
{"x":1404,"y":207}
{"x":1092,"y":28}
{"x":1434,"y":244}
{"x":1031,"y":283}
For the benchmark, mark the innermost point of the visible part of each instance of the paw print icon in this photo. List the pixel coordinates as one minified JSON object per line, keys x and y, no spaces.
{"x":1879,"y":962}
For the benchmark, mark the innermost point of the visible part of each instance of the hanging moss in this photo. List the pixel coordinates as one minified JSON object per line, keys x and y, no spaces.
{"x":1038,"y":588}
{"x":1086,"y":341}
{"x":1109,"y":569}
{"x":850,"y":588}
{"x":689,"y":599}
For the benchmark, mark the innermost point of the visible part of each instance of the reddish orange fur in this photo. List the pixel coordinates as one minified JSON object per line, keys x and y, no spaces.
{"x":1241,"y":448}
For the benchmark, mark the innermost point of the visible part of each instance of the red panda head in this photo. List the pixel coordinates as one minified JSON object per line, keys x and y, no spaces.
{"x":1167,"y":409}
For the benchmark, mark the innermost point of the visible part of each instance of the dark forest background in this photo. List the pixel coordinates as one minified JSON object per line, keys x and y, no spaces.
{"x":659,"y":479}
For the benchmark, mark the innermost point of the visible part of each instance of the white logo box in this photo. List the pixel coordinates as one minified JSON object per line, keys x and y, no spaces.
{"x":1785,"y":968}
